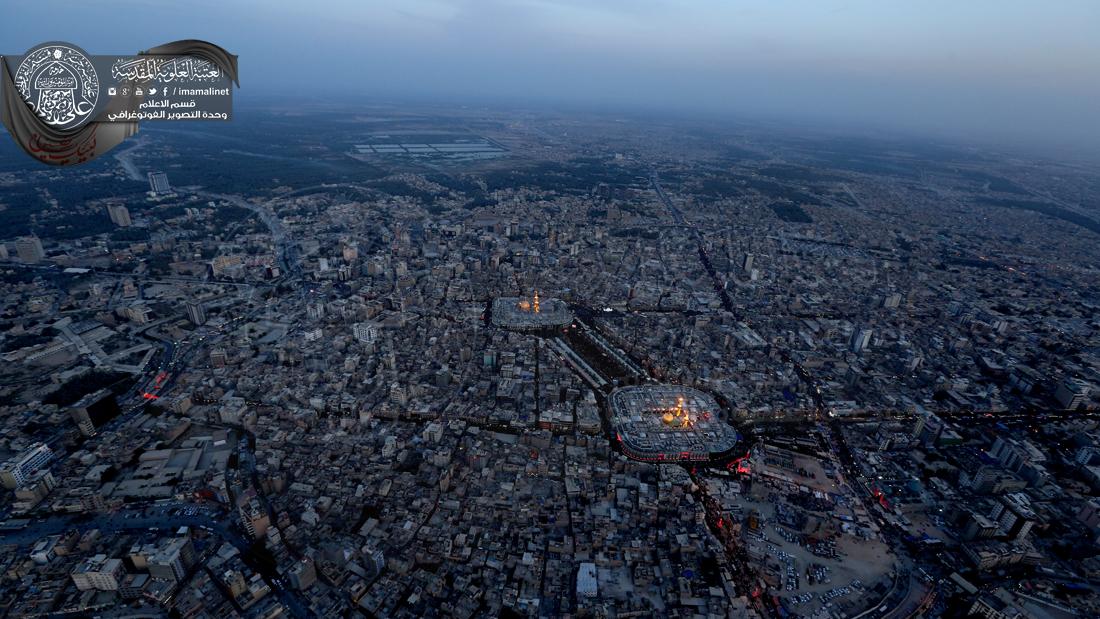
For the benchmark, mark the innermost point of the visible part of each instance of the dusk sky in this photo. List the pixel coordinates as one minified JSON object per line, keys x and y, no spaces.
{"x":986,"y":70}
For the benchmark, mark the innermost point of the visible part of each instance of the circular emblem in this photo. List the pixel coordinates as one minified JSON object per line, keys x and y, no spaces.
{"x":59,"y":83}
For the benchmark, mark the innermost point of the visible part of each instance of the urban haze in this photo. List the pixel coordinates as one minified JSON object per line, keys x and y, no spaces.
{"x":555,"y":308}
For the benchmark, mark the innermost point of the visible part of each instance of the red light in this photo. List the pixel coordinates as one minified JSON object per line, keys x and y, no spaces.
{"x":742,"y":466}
{"x":149,"y":396}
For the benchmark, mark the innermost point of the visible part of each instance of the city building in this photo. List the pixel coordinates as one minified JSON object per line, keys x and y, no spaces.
{"x":33,"y":491}
{"x":1072,"y":393}
{"x":93,"y":410}
{"x":253,"y":516}
{"x":365,"y":332}
{"x":98,"y":572}
{"x":587,"y":585}
{"x":196,"y":313}
{"x":861,"y":339}
{"x":158,"y":183}
{"x":29,"y":249}
{"x":17,"y":471}
{"x":172,"y":560}
{"x":119,"y":214}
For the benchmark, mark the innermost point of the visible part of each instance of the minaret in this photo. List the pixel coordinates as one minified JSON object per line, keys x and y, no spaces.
{"x":536,"y":301}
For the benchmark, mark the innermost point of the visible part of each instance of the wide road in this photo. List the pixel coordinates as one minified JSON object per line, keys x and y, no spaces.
{"x":719,"y":285}
{"x":287,"y":251}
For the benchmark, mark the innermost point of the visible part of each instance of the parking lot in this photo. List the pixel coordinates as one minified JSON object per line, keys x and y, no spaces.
{"x":807,"y":538}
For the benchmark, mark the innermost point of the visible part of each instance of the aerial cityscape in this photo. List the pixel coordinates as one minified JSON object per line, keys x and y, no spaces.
{"x":622,"y":369}
{"x":489,"y":357}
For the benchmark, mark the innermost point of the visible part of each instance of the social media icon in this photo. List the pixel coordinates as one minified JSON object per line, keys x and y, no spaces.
{"x":111,"y":91}
{"x":152,"y":91}
{"x":139,"y":92}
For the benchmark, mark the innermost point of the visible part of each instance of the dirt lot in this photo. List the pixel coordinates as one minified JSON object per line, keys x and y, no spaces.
{"x":847,"y":565}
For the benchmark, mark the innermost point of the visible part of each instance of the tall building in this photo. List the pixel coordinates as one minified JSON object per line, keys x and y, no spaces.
{"x":29,"y":249}
{"x":254,"y":517}
{"x":1088,"y":456}
{"x":746,"y":263}
{"x":979,"y":527}
{"x":927,"y":428}
{"x":16,"y":471}
{"x":99,"y":573}
{"x":303,"y":574}
{"x":120,"y":215}
{"x":1013,"y":454}
{"x":234,"y":582}
{"x":133,"y":586}
{"x":196,"y":313}
{"x":158,"y":182}
{"x":172,"y":561}
{"x":995,"y":480}
{"x":1089,"y":515}
{"x":861,"y":339}
{"x":366,"y":332}
{"x":1072,"y":393}
{"x":1014,"y":516}
{"x":94,"y":410}
{"x":33,"y":491}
